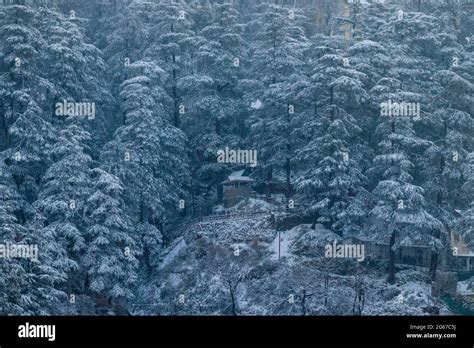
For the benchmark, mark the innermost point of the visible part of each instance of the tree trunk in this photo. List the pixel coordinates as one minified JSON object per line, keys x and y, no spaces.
{"x":434,"y":260}
{"x":269,"y":181}
{"x":288,"y":178}
{"x":326,"y":288}
{"x":288,"y":152}
{"x":176,"y":121}
{"x":303,"y":302}
{"x":220,"y":193}
{"x":391,"y":262}
{"x":433,"y":266}
{"x":193,"y":196}
{"x":146,"y":259}
{"x":4,"y":128}
{"x":331,"y":102}
{"x":232,"y":297}
{"x":218,"y":126}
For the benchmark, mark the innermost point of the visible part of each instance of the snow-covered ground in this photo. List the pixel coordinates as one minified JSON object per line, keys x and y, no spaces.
{"x":466,"y":287}
{"x":198,"y":262}
{"x":170,"y":253}
{"x":282,"y":249}
{"x":249,"y":205}
{"x":299,"y":239}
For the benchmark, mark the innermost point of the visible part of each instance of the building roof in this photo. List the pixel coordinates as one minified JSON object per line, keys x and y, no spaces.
{"x":238,"y":176}
{"x":357,"y":238}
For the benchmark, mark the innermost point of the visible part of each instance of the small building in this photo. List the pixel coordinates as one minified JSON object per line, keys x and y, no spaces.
{"x":236,"y":187}
{"x":461,"y":252}
{"x":459,"y":259}
{"x":416,"y":255}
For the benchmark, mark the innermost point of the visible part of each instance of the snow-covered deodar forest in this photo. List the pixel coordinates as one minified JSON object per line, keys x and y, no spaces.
{"x":246,"y":157}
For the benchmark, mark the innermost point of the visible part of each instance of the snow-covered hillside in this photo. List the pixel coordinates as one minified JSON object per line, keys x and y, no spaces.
{"x":172,"y":156}
{"x":232,"y":267}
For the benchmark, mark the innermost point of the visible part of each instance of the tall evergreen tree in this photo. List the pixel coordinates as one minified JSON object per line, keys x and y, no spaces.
{"x":277,"y":53}
{"x":65,"y":189}
{"x":148,"y":155}
{"x":109,"y":258}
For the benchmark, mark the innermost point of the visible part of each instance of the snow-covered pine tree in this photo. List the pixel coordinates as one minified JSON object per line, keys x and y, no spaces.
{"x":65,"y":189}
{"x":109,"y":256}
{"x":14,"y":280}
{"x":124,"y":38}
{"x":400,"y":215}
{"x":466,"y":221}
{"x":331,"y":161}
{"x":173,"y":42}
{"x":77,"y":70}
{"x":26,"y":131}
{"x":148,"y":155}
{"x":217,"y":113}
{"x":277,"y":53}
{"x":429,"y":45}
{"x":28,"y":286}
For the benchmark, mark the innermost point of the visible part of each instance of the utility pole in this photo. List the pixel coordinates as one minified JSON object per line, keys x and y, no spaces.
{"x":200,"y":210}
